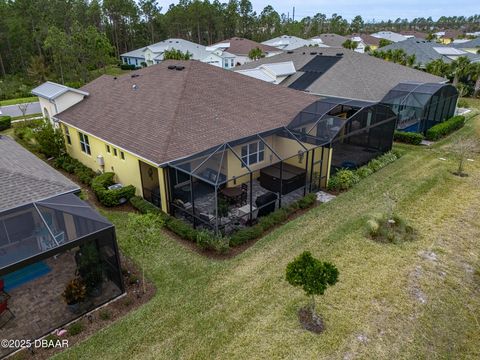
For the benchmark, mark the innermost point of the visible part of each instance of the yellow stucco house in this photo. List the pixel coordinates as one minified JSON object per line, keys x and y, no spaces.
{"x":215,"y":147}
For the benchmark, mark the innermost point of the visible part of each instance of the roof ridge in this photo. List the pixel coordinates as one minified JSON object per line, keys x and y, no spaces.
{"x":172,"y":124}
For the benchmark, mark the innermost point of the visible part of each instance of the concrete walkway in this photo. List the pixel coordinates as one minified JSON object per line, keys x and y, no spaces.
{"x":13,"y":110}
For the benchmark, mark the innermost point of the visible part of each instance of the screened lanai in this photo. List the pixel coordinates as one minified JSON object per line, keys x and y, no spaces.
{"x":45,"y":245}
{"x":233,"y":184}
{"x":420,"y":106}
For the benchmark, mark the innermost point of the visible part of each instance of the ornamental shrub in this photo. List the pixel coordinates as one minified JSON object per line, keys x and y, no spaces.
{"x":447,"y":127}
{"x":408,"y":137}
{"x":110,"y":197}
{"x":5,"y":122}
{"x":343,"y":180}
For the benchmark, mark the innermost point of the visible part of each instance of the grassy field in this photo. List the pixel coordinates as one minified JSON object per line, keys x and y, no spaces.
{"x":18,"y":101}
{"x":418,"y":300}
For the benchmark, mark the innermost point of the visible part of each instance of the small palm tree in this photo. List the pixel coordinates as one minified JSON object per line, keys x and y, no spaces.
{"x":459,"y":68}
{"x":256,"y":54}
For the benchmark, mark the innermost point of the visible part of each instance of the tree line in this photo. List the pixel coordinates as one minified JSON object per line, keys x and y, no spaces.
{"x":65,"y":40}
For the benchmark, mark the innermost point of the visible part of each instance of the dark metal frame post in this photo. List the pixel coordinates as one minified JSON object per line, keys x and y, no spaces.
{"x":311,"y":170}
{"x":251,"y":197}
{"x":281,"y":185}
{"x":216,"y":209}
{"x":192,"y":201}
{"x":306,"y":177}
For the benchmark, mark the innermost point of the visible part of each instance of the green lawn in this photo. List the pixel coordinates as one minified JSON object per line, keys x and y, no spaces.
{"x":243,"y":308}
{"x":18,"y":101}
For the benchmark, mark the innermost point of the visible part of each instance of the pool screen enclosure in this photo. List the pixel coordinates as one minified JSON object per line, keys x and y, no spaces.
{"x":291,"y":159}
{"x":420,"y":106}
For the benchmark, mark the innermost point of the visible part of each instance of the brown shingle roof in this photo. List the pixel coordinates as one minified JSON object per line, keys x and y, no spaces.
{"x":242,"y":46}
{"x":172,"y":114}
{"x":367,"y":39}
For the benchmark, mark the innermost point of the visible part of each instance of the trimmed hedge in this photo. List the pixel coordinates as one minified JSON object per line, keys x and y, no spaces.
{"x":110,"y":197}
{"x":128,"y":67}
{"x":84,"y":174}
{"x":408,"y":137}
{"x":208,"y":240}
{"x":344,"y":179}
{"x":447,"y":127}
{"x":5,"y":122}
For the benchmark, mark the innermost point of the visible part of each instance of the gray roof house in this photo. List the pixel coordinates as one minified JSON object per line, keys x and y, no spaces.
{"x":333,"y":40}
{"x":287,"y":42}
{"x":472,"y":46}
{"x":24,"y":178}
{"x":336,"y":72}
{"x":426,"y":51}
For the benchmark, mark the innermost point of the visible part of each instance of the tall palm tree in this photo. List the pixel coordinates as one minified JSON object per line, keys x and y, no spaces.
{"x":459,"y":68}
{"x":475,"y":74}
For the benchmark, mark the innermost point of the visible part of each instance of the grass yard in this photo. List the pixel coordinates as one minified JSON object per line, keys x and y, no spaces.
{"x":18,"y":101}
{"x":415,"y":300}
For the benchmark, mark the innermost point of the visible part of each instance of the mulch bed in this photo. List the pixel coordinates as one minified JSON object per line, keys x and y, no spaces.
{"x":93,"y":322}
{"x":310,"y":321}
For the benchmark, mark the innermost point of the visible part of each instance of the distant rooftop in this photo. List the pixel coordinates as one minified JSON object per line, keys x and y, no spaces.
{"x":342,"y":73}
{"x":198,"y":51}
{"x":24,"y":178}
{"x":287,"y":42}
{"x":389,"y":35}
{"x":242,"y":46}
{"x":50,"y":90}
{"x":333,"y":40}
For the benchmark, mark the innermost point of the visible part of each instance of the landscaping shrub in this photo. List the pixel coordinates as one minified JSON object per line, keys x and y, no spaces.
{"x":50,"y":140}
{"x":5,"y":122}
{"x":25,"y":130}
{"x":110,"y":197}
{"x":75,"y":328}
{"x":364,"y":171}
{"x":181,"y":228}
{"x":443,"y":129}
{"x":408,"y":137}
{"x":387,"y":229}
{"x":307,"y":201}
{"x":73,"y":166}
{"x":127,"y":67}
{"x":462,"y":103}
{"x":343,"y":180}
{"x":143,"y":205}
{"x":210,"y":241}
{"x":244,"y":235}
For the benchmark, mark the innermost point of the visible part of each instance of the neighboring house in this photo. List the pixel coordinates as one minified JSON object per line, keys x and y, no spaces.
{"x":365,"y":40}
{"x":185,"y":133}
{"x":44,"y":231}
{"x":241,"y":47}
{"x":287,"y":42}
{"x":153,"y":54}
{"x":448,"y":36}
{"x":332,"y":40}
{"x":426,"y":51}
{"x":341,"y":72}
{"x":390,"y":36}
{"x":414,"y":34}
{"x":274,"y":73}
{"x":55,"y":98}
{"x":471,"y":46}
{"x":348,"y":74}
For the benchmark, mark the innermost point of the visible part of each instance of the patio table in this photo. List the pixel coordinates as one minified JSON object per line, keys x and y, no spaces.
{"x":232,"y":193}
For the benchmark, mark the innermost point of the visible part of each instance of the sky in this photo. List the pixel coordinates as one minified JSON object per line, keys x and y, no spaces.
{"x":368,"y":9}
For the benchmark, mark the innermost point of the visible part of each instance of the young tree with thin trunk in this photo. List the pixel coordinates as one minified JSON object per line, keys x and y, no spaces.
{"x":313,"y":275}
{"x":23,"y":109}
{"x":462,"y":148}
{"x":144,"y":230}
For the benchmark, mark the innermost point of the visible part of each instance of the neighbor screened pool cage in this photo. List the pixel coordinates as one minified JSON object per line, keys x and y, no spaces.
{"x":43,"y":247}
{"x":232,"y":184}
{"x":420,"y":106}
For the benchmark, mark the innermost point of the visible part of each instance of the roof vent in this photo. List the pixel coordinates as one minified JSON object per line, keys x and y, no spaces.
{"x":303,"y":53}
{"x":290,"y":52}
{"x":313,"y":53}
{"x":179,"y":68}
{"x":320,"y":53}
{"x":114,"y":78}
{"x":134,"y":75}
{"x":171,"y":67}
{"x":134,"y":87}
{"x":339,"y":54}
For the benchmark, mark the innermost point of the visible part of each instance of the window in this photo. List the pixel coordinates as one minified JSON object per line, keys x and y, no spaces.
{"x":122,"y":155}
{"x":253,"y":153}
{"x":114,"y":152}
{"x":84,"y":143}
{"x":226,"y":63}
{"x":231,"y":62}
{"x":108,"y":148}
{"x":67,"y":135}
